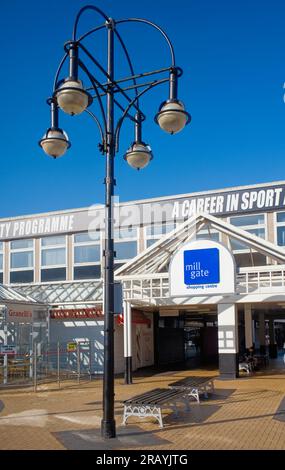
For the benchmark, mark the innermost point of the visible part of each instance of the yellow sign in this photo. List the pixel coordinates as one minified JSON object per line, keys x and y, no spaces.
{"x":71,"y":347}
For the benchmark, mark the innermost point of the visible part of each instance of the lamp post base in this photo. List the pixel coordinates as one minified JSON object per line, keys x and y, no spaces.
{"x":108,"y":429}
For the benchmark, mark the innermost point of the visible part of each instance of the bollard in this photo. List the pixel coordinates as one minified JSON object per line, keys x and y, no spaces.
{"x":34,"y":363}
{"x":58,"y":364}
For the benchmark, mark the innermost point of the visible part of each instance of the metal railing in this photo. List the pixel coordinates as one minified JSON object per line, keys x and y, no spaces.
{"x":264,"y":279}
{"x":53,"y":363}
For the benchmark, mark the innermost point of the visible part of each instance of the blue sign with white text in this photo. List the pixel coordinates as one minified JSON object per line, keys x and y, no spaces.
{"x":202,"y":267}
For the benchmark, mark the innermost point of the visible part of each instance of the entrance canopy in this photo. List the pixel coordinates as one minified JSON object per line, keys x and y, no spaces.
{"x":157,"y":257}
{"x":146,"y":277}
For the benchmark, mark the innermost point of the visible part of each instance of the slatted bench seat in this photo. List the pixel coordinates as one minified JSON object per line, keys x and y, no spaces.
{"x":150,"y":404}
{"x":195,"y":386}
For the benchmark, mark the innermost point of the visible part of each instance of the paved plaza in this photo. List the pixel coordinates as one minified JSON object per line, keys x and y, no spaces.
{"x":248,"y":413}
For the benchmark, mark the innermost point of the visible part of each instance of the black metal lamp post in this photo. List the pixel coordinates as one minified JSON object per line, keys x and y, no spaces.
{"x":73,"y":98}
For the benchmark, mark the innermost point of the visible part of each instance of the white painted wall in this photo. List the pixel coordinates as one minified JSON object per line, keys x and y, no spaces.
{"x":93,"y":331}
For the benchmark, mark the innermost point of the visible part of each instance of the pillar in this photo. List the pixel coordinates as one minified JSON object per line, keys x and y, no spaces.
{"x":273,"y":349}
{"x":248,"y":327}
{"x":262,"y":341}
{"x":228,"y":341}
{"x":128,"y":343}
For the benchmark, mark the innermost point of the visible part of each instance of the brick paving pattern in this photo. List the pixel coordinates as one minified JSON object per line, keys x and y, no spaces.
{"x":248,"y":413}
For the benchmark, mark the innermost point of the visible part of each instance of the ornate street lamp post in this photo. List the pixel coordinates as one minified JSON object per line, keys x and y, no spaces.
{"x":73,"y":98}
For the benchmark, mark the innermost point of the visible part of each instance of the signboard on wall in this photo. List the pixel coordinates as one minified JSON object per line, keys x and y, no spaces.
{"x":20,"y":313}
{"x":202,"y":267}
{"x":258,"y":198}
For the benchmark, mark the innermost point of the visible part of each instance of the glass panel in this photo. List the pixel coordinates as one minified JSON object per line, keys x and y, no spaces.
{"x":128,"y":232}
{"x":151,"y":242}
{"x":87,"y":272}
{"x":86,"y":237}
{"x":236,"y":245}
{"x":54,"y":257}
{"x":53,"y":275}
{"x":53,"y":241}
{"x":281,"y":217}
{"x":87,"y":254}
{"x":118,"y":266}
{"x":246,"y":220}
{"x":1,"y":246}
{"x":1,"y":278}
{"x":281,"y":236}
{"x":22,"y":277}
{"x":153,"y":230}
{"x":23,"y":259}
{"x":22,"y":244}
{"x":246,"y":260}
{"x":1,"y":262}
{"x":127,"y":250}
{"x":208,"y":236}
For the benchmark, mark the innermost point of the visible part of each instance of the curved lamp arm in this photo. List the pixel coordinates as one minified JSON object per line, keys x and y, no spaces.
{"x":158,"y":28}
{"x":121,"y":120}
{"x":87,"y":7}
{"x":98,"y":124}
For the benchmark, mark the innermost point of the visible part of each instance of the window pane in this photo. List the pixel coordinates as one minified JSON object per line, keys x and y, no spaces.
{"x":1,"y":246}
{"x":128,"y":232}
{"x":246,"y":260}
{"x":208,"y":236}
{"x":87,"y":254}
{"x":154,"y":230}
{"x":245,"y":220}
{"x":281,"y":217}
{"x":281,"y":236}
{"x":53,"y":275}
{"x":53,"y":241}
{"x":151,"y":242}
{"x":1,"y":278}
{"x":86,"y":237}
{"x":54,"y":257}
{"x":22,"y":277}
{"x":127,"y":250}
{"x":22,"y":260}
{"x":1,"y":262}
{"x":87,"y":272}
{"x":22,"y":244}
{"x":259,"y":232}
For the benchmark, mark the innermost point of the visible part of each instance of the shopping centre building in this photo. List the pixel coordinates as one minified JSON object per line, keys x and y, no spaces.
{"x":203,"y":277}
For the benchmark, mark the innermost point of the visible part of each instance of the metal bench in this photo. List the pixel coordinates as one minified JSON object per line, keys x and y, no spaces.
{"x":195,"y":386}
{"x":150,"y":404}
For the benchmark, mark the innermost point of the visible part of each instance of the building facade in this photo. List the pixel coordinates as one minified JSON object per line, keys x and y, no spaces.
{"x":57,"y":258}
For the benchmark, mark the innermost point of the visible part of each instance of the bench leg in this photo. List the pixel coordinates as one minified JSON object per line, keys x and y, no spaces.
{"x":195,"y":394}
{"x":142,"y":412}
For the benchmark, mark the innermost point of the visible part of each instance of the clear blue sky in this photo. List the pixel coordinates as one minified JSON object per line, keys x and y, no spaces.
{"x":233,"y":56}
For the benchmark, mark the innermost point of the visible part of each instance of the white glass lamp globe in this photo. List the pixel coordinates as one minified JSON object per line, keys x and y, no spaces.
{"x":139,"y":155}
{"x":72,"y":98}
{"x":172,"y":117}
{"x":55,"y":143}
